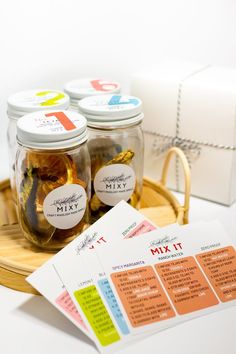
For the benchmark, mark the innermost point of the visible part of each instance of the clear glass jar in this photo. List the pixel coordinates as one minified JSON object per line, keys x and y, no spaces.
{"x":116,"y":150}
{"x":25,"y":102}
{"x":52,"y":177}
{"x":79,"y":89}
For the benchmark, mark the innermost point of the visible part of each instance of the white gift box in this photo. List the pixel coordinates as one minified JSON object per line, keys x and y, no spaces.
{"x":191,"y":106}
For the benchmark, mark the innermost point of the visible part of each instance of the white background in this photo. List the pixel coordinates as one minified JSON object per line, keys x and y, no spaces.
{"x":45,"y":43}
{"x":48,"y":42}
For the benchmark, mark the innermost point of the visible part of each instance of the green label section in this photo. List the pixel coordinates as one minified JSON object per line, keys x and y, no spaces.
{"x":96,"y":313}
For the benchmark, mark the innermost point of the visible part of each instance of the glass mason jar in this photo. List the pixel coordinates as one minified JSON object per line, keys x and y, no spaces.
{"x":116,"y":150}
{"x":25,"y":102}
{"x":78,"y":89}
{"x":52,"y":177}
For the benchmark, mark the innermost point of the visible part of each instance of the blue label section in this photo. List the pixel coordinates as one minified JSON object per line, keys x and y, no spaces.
{"x":116,"y":99}
{"x":113,"y":305}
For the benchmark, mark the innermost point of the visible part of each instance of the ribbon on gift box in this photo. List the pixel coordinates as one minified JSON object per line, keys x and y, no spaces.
{"x":191,"y":148}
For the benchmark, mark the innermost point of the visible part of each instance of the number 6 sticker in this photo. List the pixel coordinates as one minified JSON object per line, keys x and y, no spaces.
{"x":100,"y":85}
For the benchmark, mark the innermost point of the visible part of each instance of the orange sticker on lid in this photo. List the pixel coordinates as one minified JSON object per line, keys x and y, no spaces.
{"x":63,"y":119}
{"x":101,"y":85}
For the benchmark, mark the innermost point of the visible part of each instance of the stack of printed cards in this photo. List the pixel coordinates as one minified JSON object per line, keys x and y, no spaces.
{"x":117,"y":287}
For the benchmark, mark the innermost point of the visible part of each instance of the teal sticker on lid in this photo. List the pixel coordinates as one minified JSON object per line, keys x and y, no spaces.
{"x":117,"y":100}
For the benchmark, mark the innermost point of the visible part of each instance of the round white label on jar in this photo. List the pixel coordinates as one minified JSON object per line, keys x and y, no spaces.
{"x":65,"y":206}
{"x":114,"y":183}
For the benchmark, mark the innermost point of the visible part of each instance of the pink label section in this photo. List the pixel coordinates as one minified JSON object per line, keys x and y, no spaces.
{"x":142,"y":228}
{"x":65,"y":302}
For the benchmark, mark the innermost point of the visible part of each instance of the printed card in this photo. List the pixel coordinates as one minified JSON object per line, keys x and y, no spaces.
{"x":84,"y":287}
{"x":48,"y":282}
{"x":122,"y":221}
{"x":167,"y":276}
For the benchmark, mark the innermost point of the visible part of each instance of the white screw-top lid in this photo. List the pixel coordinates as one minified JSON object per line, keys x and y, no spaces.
{"x":113,"y":109}
{"x":25,"y":102}
{"x":52,"y":129}
{"x":78,"y":89}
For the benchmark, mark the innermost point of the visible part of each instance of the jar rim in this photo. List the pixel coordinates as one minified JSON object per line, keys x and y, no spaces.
{"x":119,"y":124}
{"x":51,"y":129}
{"x":29,"y":101}
{"x":56,"y":145}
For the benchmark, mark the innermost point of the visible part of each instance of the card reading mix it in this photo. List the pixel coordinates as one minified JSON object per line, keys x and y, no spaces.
{"x":171,"y":275}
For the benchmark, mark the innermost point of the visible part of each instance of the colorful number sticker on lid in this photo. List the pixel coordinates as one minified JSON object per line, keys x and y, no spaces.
{"x":34,"y":100}
{"x":104,"y":86}
{"x":50,"y":98}
{"x":78,"y":89}
{"x":63,"y":119}
{"x":116,"y":100}
{"x":113,"y":106}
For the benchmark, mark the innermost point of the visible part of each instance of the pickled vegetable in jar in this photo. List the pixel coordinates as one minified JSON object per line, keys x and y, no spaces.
{"x":25,"y":102}
{"x":78,"y":89}
{"x":52,"y":177}
{"x":116,"y":150}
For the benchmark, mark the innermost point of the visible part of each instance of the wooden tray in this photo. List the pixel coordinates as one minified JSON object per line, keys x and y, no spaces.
{"x":18,"y":258}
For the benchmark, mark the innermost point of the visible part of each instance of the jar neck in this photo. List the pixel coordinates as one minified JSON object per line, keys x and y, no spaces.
{"x":52,"y":151}
{"x":104,"y":122}
{"x":58,"y":145}
{"x":74,"y":104}
{"x":98,"y":127}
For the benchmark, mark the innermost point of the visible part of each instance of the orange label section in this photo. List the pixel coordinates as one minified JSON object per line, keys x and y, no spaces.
{"x":220,"y":268}
{"x":186,"y":285}
{"x":142,"y":296}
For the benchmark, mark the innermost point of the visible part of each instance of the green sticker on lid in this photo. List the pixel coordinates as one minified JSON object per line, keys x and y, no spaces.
{"x":50,"y":101}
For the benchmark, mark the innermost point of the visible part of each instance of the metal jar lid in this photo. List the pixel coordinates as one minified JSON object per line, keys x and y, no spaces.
{"x":29,"y":101}
{"x":51,"y":129}
{"x":113,"y":110}
{"x":78,"y":89}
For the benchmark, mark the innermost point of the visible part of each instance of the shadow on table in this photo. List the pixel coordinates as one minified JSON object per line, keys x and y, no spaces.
{"x":40,"y":309}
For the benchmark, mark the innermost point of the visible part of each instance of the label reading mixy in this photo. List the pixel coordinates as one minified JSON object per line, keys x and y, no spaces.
{"x":65,"y":206}
{"x":114,"y":183}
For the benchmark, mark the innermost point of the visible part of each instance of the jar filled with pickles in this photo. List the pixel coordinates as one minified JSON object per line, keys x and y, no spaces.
{"x":116,"y":150}
{"x":25,"y":102}
{"x":52,"y":177}
{"x":79,"y":89}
